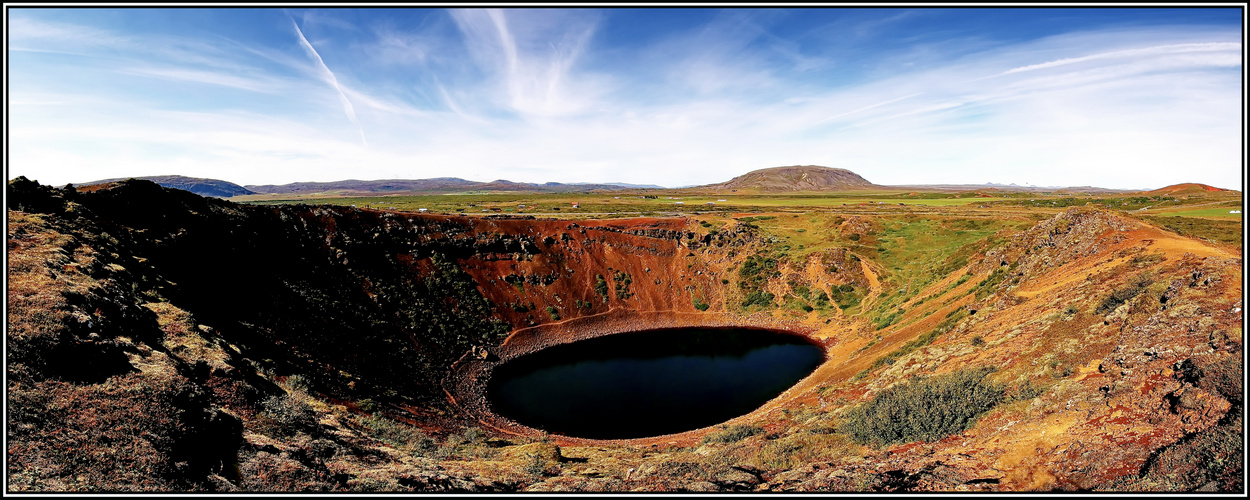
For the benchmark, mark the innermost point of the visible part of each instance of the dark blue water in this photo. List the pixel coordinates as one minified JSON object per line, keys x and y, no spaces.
{"x":650,"y":383}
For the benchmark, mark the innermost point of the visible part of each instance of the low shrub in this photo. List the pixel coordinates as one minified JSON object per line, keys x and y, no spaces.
{"x":299,"y":382}
{"x":288,"y":415}
{"x":758,"y":298}
{"x":622,"y":280}
{"x":398,"y":434}
{"x":601,"y":287}
{"x":732,"y":434}
{"x":926,"y":409}
{"x":801,"y":448}
{"x":1123,"y":294}
{"x":468,"y":445}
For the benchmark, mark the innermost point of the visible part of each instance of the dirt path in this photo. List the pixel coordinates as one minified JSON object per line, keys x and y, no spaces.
{"x":874,"y":285}
{"x":1173,"y":246}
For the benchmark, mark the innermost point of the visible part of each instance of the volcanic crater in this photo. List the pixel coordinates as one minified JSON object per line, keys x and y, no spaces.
{"x":332,"y":348}
{"x":469,"y":377}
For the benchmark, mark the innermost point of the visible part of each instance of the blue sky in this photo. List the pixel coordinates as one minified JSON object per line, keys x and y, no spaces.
{"x":1114,"y":97}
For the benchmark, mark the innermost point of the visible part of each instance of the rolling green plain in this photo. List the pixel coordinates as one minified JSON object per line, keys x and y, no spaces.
{"x":916,"y":223}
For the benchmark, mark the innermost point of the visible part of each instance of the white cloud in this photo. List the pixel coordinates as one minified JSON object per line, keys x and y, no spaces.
{"x":529,"y":96}
{"x":329,"y":78}
{"x":1182,"y":48}
{"x":261,"y":84}
{"x":531,"y":57}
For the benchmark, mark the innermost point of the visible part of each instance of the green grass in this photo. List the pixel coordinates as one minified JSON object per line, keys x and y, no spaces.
{"x":927,"y":338}
{"x":1204,"y":212}
{"x":755,"y":272}
{"x":609,"y":203}
{"x":916,"y":252}
{"x":1114,"y":202}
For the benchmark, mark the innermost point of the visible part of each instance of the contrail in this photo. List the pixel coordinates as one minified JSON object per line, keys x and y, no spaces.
{"x":866,"y":108}
{"x":1159,"y":49}
{"x":334,"y":82}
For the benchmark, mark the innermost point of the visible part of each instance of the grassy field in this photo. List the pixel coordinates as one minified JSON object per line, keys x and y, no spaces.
{"x":1221,"y":213}
{"x":1227,"y":231}
{"x":656,"y":202}
{"x":938,"y":231}
{"x":598,"y":203}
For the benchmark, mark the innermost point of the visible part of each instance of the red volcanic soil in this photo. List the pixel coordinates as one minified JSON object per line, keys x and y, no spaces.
{"x":96,"y":187}
{"x":1186,"y":188}
{"x":646,"y":264}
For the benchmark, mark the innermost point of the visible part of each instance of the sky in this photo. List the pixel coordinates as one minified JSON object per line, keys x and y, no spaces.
{"x":1119,"y":97}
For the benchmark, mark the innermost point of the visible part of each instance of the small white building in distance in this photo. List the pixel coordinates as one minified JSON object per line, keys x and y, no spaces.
{"x":423,"y":210}
{"x":1234,"y":211}
{"x":679,"y":203}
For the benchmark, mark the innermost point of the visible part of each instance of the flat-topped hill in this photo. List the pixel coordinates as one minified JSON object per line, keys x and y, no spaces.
{"x":1188,"y":188}
{"x":796,"y":178}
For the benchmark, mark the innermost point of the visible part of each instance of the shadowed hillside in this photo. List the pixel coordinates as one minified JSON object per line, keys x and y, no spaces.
{"x":203,"y":187}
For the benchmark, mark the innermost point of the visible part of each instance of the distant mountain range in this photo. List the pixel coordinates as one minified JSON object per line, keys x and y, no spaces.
{"x":798,"y":178}
{"x":224,"y":189}
{"x":436,"y":185}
